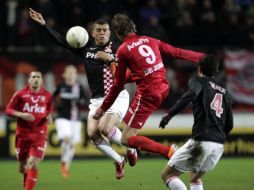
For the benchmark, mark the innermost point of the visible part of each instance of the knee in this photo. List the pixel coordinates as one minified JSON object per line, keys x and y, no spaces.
{"x":124,"y":140}
{"x":196,"y":180}
{"x":22,"y":169}
{"x":66,"y":140}
{"x":32,"y":164}
{"x":164,"y":176}
{"x":103,"y":130}
{"x":91,"y":132}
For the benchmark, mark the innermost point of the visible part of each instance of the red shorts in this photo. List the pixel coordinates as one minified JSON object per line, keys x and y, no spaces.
{"x":30,"y":144}
{"x":144,"y":104}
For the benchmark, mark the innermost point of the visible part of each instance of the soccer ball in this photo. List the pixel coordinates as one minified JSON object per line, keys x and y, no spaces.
{"x":77,"y":37}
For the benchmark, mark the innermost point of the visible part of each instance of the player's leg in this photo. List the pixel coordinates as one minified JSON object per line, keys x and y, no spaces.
{"x":22,"y":153}
{"x":107,"y":127}
{"x":134,"y":120}
{"x":103,"y":145}
{"x":22,"y":169}
{"x":211,"y":153}
{"x":130,"y":138}
{"x":196,"y":181}
{"x":32,"y":172}
{"x":63,"y":128}
{"x":170,"y":176}
{"x":36,"y":154}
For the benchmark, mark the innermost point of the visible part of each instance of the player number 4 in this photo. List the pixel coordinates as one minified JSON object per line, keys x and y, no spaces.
{"x":216,"y":104}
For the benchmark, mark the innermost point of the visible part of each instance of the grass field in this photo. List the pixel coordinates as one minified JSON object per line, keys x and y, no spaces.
{"x":230,"y":174}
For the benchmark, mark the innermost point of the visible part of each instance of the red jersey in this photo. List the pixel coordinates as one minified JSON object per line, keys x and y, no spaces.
{"x":142,"y":55}
{"x":40,"y":105}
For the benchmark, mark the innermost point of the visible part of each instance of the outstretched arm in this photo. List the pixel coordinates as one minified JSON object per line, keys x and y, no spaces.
{"x":186,"y":98}
{"x":37,"y":17}
{"x":54,"y":35}
{"x":195,"y":88}
{"x":179,"y":53}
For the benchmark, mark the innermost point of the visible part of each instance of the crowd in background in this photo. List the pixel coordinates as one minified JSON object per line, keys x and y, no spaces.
{"x":184,"y":22}
{"x":206,"y":25}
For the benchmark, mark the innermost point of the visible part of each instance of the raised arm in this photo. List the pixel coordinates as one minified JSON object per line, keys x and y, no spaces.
{"x":54,"y":35}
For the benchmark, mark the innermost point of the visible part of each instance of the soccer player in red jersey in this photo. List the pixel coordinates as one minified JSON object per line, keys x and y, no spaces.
{"x":32,"y":106}
{"x":142,"y":55}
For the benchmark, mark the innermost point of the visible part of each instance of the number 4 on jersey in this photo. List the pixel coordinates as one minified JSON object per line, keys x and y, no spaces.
{"x":216,"y":104}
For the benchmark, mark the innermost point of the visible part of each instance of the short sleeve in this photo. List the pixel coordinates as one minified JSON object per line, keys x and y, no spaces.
{"x":195,"y":84}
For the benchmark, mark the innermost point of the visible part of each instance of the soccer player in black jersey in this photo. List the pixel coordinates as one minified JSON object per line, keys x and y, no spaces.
{"x":68,"y":97}
{"x":98,"y":56}
{"x":213,"y":120}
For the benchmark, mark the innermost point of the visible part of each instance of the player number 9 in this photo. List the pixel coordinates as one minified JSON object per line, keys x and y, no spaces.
{"x":146,"y":51}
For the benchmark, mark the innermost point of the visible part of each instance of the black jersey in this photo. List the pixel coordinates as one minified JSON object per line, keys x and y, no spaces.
{"x":98,"y":72}
{"x":213,"y":119}
{"x":68,"y":100}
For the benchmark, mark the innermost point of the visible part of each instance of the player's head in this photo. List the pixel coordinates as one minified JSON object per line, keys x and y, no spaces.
{"x":123,"y":25}
{"x":101,"y":31}
{"x":209,"y":65}
{"x":35,"y":80}
{"x":70,"y":74}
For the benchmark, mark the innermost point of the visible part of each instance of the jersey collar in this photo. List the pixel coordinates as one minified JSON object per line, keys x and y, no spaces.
{"x":131,"y":35}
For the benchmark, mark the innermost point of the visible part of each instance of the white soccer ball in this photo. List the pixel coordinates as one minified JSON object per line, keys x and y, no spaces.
{"x":77,"y":37}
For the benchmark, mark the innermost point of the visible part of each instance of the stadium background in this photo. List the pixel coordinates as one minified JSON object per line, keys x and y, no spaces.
{"x":221,"y":27}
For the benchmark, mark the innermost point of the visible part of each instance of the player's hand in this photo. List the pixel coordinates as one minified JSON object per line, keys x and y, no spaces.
{"x":164,"y":121}
{"x":37,"y":17}
{"x":98,"y":114}
{"x":26,"y":116}
{"x":49,"y":119}
{"x":104,"y":56}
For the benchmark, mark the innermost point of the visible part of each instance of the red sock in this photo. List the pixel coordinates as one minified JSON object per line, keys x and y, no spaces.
{"x":146,"y":144}
{"x":31,"y":179}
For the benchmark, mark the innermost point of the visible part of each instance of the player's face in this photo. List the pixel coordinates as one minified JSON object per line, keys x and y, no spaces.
{"x":70,"y":76}
{"x":101,"y":33}
{"x":35,"y":80}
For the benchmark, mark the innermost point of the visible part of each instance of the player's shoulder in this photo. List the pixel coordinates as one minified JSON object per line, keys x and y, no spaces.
{"x":18,"y":93}
{"x":196,"y":79}
{"x":45,"y":92}
{"x":22,"y":91}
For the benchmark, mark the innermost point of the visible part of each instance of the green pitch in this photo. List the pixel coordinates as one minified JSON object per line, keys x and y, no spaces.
{"x":230,"y":174}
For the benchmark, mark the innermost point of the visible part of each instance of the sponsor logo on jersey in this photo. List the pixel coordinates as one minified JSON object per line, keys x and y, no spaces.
{"x":34,"y":108}
{"x":35,"y":100}
{"x":137,"y":43}
{"x":91,"y":55}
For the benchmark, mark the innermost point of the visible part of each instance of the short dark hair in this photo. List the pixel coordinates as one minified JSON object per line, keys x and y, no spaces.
{"x":123,"y":25}
{"x":209,"y":65}
{"x":101,"y":21}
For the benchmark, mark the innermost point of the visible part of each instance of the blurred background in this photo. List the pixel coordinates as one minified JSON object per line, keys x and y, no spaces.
{"x":221,"y":27}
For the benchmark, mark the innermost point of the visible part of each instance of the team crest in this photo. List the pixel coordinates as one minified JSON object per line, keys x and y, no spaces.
{"x":43,"y":98}
{"x":108,"y":50}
